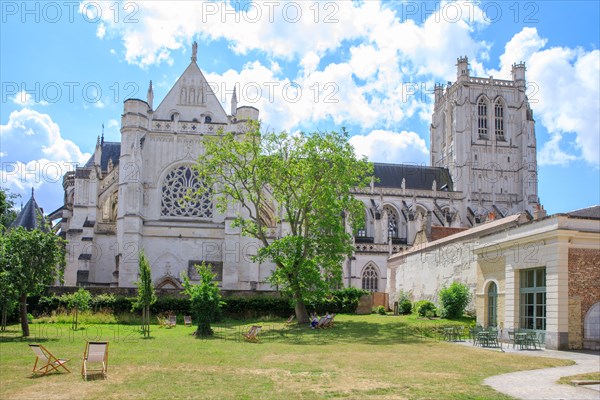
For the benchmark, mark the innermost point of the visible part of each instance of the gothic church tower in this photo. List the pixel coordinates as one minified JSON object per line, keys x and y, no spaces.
{"x":483,"y":131}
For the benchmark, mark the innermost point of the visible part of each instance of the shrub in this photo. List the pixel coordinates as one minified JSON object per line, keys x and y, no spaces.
{"x":171,"y":305}
{"x":405,"y":307}
{"x":425,"y":308}
{"x":454,"y":300}
{"x":103,"y":302}
{"x":80,"y":300}
{"x":205,"y":299}
{"x":340,"y":301}
{"x":251,"y":307}
{"x":381,"y":310}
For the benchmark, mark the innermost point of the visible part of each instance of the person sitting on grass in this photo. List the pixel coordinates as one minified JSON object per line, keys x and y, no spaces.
{"x":314,"y":320}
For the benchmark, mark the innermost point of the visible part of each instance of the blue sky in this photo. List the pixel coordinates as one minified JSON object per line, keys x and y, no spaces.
{"x":66,"y":67}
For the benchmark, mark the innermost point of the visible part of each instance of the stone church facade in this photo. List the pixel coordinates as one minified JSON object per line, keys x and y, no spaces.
{"x":131,"y":195}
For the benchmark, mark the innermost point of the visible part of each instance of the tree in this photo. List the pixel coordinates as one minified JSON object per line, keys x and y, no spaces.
{"x":33,"y":260}
{"x":454,"y":300}
{"x":146,"y":293}
{"x":7,"y":213}
{"x":302,"y":182}
{"x":205,"y":299}
{"x":8,"y":296}
{"x":78,"y":301}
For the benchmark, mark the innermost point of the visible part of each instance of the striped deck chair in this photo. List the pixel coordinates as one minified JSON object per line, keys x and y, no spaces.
{"x":172,"y":321}
{"x":252,"y":334}
{"x":329,"y":322}
{"x":321,"y":323}
{"x":48,"y":362}
{"x":95,"y":359}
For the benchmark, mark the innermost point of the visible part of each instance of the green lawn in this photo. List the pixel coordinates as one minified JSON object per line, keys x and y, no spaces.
{"x":362,"y":357}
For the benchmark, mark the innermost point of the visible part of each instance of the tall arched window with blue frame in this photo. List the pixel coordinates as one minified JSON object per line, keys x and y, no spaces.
{"x":492,"y":303}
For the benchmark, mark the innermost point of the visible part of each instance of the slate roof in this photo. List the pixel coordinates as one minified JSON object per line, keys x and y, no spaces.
{"x":110,"y":150}
{"x":416,"y":176}
{"x":30,"y":217}
{"x":586,"y":213}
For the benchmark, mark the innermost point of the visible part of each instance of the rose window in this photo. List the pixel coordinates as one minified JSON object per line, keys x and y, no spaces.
{"x":184,"y":194}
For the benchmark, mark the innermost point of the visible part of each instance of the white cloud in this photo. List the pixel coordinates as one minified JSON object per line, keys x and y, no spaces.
{"x":564,"y":92}
{"x":38,"y":152}
{"x":19,"y":176}
{"x":391,"y":147}
{"x":99,"y":104}
{"x":101,"y":31}
{"x":164,"y":27}
{"x":25,"y":99}
{"x":520,"y":48}
{"x":113,"y":123}
{"x":551,"y":153}
{"x":370,"y":85}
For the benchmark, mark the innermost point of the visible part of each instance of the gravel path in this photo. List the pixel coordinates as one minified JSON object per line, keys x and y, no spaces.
{"x":541,"y":384}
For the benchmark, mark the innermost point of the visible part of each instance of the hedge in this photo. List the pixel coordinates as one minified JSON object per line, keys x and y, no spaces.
{"x":340,"y":301}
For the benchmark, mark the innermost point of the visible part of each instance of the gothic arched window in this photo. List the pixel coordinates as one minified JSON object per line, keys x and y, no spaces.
{"x":492,"y":314}
{"x":499,"y":120}
{"x":370,"y":278}
{"x":392,"y":219}
{"x":482,"y":119}
{"x":180,"y":196}
{"x":110,"y":208}
{"x":267,"y":214}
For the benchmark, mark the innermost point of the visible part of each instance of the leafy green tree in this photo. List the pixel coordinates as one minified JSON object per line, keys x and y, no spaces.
{"x":7,"y":213}
{"x":302,"y":182}
{"x":454,"y":299}
{"x":146,"y":293}
{"x":33,"y":260}
{"x":205,"y":299}
{"x":78,"y":301}
{"x":8,"y":296}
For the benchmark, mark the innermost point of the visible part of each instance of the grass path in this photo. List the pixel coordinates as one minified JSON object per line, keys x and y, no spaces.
{"x":362,"y":357}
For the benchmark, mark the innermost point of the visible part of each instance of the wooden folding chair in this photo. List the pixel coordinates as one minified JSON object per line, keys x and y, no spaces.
{"x":252,"y":334}
{"x":172,"y":321}
{"x":329,"y":322}
{"x":187,"y":320}
{"x":49,"y":361}
{"x":95,"y":359}
{"x":324,"y":322}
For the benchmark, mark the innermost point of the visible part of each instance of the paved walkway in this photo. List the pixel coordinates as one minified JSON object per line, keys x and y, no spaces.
{"x":541,"y":384}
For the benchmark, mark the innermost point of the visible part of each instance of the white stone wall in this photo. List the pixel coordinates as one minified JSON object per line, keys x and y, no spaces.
{"x":422,"y":273}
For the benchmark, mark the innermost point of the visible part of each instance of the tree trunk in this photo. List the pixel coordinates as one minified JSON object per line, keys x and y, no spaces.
{"x":204,"y":328}
{"x":4,"y":317}
{"x":23,"y":313}
{"x":301,"y":312}
{"x":74,"y":324}
{"x":147,"y":321}
{"x":143,"y":324}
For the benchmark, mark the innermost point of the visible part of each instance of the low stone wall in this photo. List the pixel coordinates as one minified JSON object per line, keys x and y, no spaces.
{"x":365,"y":305}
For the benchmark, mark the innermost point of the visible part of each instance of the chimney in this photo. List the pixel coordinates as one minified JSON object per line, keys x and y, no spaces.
{"x":539,"y":212}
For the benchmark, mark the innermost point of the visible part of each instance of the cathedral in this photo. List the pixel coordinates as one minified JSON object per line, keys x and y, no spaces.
{"x":132,"y":195}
